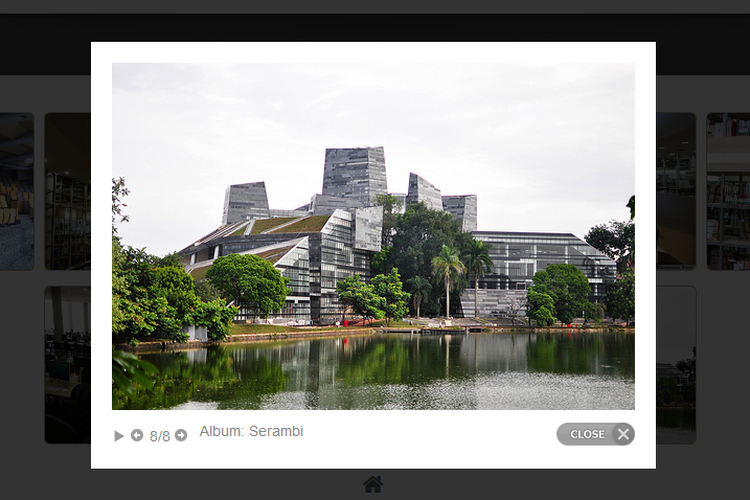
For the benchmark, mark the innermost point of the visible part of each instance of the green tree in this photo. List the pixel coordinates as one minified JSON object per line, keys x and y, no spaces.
{"x":391,"y":210}
{"x":389,"y":288}
{"x":120,"y":292}
{"x":118,"y":191}
{"x":140,"y":306}
{"x":216,"y":316}
{"x":175,"y":285}
{"x":360,"y":297}
{"x":206,"y":291}
{"x":540,"y":307}
{"x":420,"y":290}
{"x":570,"y":290}
{"x":250,"y":279}
{"x":616,"y":240}
{"x":476,"y":258}
{"x":419,"y":236}
{"x":631,"y":206}
{"x":620,"y":296}
{"x":448,"y":266}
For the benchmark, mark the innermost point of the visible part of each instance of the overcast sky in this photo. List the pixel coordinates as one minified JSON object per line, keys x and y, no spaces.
{"x":544,"y":147}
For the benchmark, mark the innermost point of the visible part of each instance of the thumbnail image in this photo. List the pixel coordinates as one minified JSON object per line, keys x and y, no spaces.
{"x":67,"y":201}
{"x":67,"y":364}
{"x":16,"y":191}
{"x":675,"y":191}
{"x":266,"y":255}
{"x":676,"y":344}
{"x":728,"y":191}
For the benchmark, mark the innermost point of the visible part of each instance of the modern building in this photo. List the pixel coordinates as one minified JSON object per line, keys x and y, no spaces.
{"x":422,"y":191}
{"x":355,"y":173}
{"x":313,"y":251}
{"x":517,"y":256}
{"x":245,"y":201}
{"x":336,"y":235}
{"x":464,"y":209}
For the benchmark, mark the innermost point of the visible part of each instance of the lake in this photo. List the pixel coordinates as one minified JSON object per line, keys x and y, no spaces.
{"x":504,"y":371}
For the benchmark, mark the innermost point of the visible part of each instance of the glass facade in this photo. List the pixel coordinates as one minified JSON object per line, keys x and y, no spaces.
{"x":334,"y":259}
{"x":516,"y":257}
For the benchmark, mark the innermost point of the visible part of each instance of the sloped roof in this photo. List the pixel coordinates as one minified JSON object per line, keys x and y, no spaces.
{"x":277,"y":225}
{"x":271,"y":253}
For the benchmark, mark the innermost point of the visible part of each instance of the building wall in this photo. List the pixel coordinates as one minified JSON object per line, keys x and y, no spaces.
{"x":325,"y":205}
{"x":422,"y":191}
{"x":464,"y":209}
{"x":368,"y":228}
{"x":355,"y":173}
{"x":243,"y":201}
{"x":517,"y":256}
{"x":494,"y":303}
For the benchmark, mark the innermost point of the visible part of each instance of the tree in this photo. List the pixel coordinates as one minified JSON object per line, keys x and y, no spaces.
{"x":175,"y":285}
{"x":616,"y":240}
{"x":566,"y":286}
{"x":250,"y":279}
{"x":360,"y":297}
{"x":140,"y":306}
{"x":448,"y":266}
{"x":420,"y":290}
{"x":206,"y":291}
{"x":216,"y":316}
{"x":391,"y":209}
{"x":118,"y":191}
{"x":620,"y":296}
{"x":476,"y":258}
{"x":540,"y":307}
{"x":631,"y":206}
{"x":570,"y":289}
{"x":419,"y":236}
{"x":389,"y":288}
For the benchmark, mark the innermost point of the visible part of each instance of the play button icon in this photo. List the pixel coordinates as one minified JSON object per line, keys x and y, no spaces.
{"x":118,"y":436}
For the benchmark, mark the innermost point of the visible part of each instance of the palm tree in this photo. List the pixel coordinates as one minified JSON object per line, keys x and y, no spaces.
{"x":477,"y":260}
{"x":447,"y":264}
{"x":420,"y":288}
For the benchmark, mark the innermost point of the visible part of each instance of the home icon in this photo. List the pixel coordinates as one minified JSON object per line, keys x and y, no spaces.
{"x":373,"y":484}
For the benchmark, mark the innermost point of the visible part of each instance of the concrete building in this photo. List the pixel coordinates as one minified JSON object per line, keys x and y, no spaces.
{"x":422,"y":191}
{"x":336,"y":235}
{"x":313,"y":251}
{"x":355,"y":173}
{"x":464,"y":209}
{"x":245,"y":201}
{"x":517,"y":256}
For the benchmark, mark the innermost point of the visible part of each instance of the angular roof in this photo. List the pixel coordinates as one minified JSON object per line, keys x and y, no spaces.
{"x":271,"y":253}
{"x":278,"y":225}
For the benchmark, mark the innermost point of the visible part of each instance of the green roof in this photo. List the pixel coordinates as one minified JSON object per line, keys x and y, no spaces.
{"x":266,"y":224}
{"x":312,"y":224}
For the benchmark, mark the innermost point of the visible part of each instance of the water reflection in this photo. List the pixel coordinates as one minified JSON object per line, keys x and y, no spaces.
{"x":505,"y":371}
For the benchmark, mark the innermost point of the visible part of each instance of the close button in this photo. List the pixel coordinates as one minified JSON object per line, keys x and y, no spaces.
{"x":596,"y":434}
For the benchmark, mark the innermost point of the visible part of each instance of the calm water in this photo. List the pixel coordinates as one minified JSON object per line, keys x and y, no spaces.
{"x":479,"y":372}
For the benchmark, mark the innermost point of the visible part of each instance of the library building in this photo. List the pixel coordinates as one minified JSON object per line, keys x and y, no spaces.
{"x":338,"y":232}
